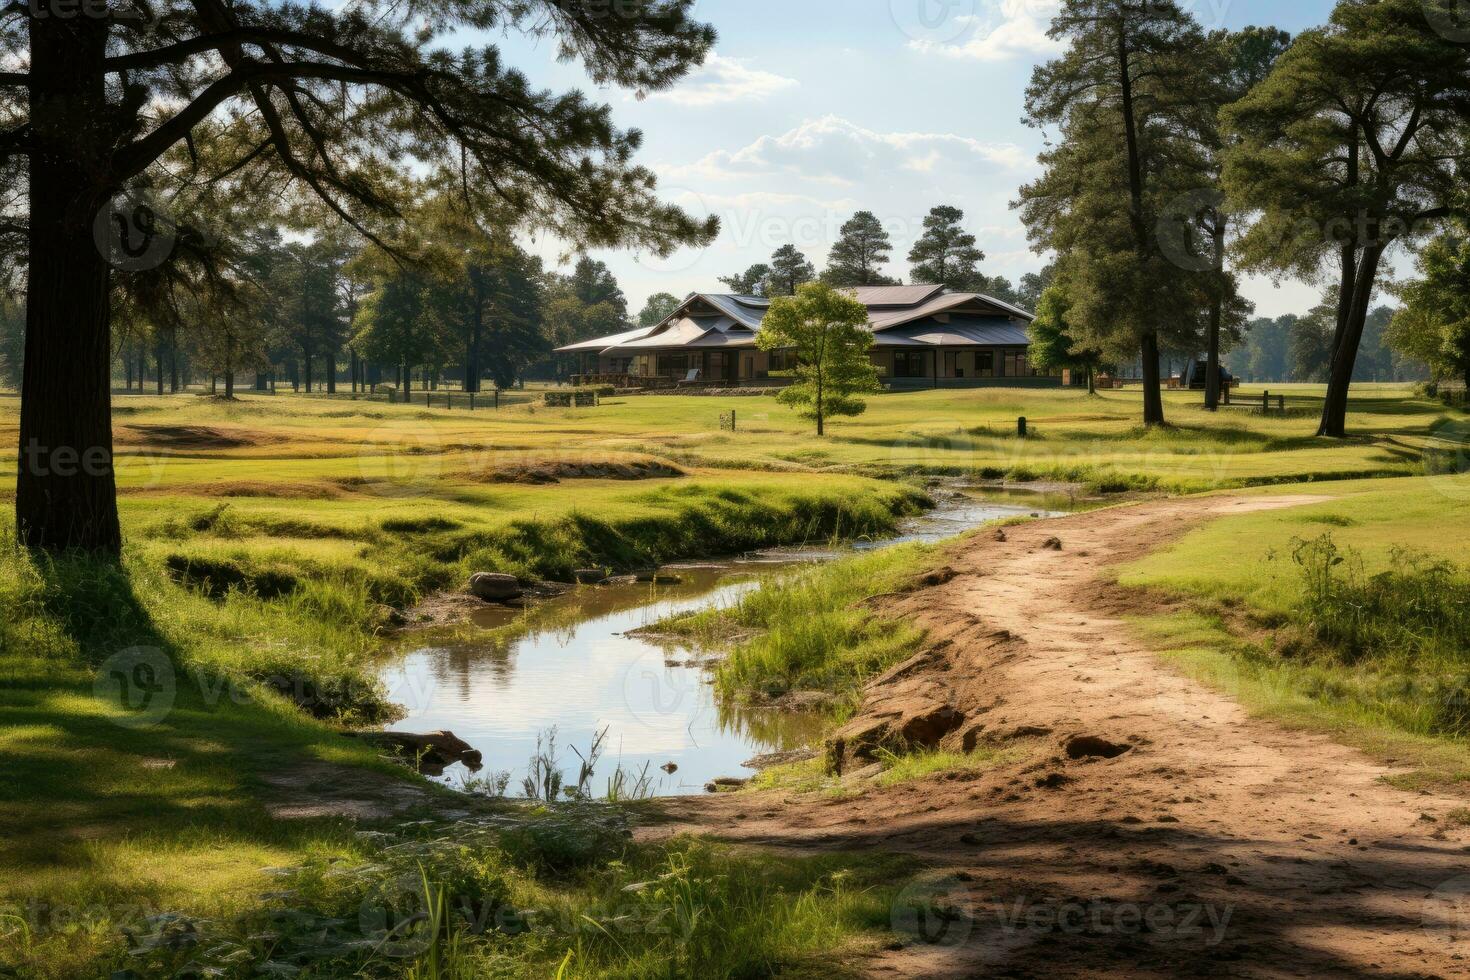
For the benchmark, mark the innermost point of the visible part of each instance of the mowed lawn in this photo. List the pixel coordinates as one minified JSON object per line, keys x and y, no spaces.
{"x":317,"y":446}
{"x":1396,"y":684}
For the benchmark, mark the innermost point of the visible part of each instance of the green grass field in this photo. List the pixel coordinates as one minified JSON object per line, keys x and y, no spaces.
{"x":317,"y":448}
{"x":1394,"y":678}
{"x":278,"y":536}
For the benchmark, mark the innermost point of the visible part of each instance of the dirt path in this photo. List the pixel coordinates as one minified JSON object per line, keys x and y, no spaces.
{"x":1214,"y":845}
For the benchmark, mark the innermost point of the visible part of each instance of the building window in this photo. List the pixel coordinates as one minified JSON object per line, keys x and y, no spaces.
{"x":985,"y":364}
{"x":780,"y":360}
{"x":955,"y":363}
{"x":673,"y":364}
{"x":1016,"y":366}
{"x":909,"y":364}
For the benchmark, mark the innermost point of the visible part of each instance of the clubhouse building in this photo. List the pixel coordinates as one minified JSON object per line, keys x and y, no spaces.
{"x":924,"y":336}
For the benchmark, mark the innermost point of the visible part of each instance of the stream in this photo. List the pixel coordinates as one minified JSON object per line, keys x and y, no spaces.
{"x":579,"y":671}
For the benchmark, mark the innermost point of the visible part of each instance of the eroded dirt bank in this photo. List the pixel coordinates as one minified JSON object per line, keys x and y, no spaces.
{"x":1213,"y":844}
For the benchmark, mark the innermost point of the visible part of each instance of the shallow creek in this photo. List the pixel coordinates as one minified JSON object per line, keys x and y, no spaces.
{"x":578,"y":669}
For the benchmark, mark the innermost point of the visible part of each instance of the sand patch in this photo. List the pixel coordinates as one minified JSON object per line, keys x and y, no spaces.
{"x":191,"y":437}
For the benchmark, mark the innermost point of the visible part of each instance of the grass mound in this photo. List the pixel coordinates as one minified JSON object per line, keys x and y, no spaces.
{"x":810,"y":630}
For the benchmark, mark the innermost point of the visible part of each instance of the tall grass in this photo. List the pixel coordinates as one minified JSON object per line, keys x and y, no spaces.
{"x":435,"y":903}
{"x":810,"y":630}
{"x":1397,"y":640}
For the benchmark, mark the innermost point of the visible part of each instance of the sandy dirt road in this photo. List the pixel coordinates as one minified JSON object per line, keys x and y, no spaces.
{"x":1213,"y":845}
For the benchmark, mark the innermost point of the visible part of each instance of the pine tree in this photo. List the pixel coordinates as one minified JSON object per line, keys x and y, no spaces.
{"x":1354,"y":142}
{"x":300,"y":101}
{"x":945,"y":254}
{"x":860,"y":253}
{"x":1123,"y":95}
{"x":1433,"y":325}
{"x":1238,"y":62}
{"x":751,"y":282}
{"x":789,"y":269}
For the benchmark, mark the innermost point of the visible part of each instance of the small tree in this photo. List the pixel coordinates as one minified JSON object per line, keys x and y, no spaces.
{"x":1053,"y":346}
{"x":827,"y":331}
{"x":1434,"y":324}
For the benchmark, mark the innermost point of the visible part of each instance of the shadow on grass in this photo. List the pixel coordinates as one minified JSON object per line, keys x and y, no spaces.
{"x":91,"y":770}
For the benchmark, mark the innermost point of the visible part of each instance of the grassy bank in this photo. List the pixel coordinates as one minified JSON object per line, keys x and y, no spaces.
{"x":113,"y":815}
{"x":809,"y":631}
{"x":1346,"y":616}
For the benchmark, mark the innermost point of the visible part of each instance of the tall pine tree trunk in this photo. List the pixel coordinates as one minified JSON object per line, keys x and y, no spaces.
{"x":1345,"y":346}
{"x":65,"y":488}
{"x":1153,"y":398}
{"x":1217,"y":318}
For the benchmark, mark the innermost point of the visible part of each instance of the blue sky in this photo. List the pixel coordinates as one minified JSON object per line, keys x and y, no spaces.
{"x":812,"y":109}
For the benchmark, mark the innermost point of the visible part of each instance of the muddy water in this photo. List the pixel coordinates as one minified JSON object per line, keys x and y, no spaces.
{"x":578,"y":670}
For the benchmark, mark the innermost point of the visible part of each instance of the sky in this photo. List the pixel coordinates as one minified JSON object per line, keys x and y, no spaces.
{"x":810,"y":110}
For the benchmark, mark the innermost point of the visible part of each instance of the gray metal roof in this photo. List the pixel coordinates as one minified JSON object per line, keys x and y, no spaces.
{"x":895,"y":295}
{"x":902,"y":316}
{"x":600,"y":343}
{"x":962,"y":332}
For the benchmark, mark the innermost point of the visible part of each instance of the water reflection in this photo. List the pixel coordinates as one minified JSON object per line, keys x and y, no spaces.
{"x":571,"y":664}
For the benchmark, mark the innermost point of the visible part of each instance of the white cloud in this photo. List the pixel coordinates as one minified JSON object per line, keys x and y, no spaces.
{"x":837,"y":151}
{"x":1014,"y":29}
{"x":721,"y":80}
